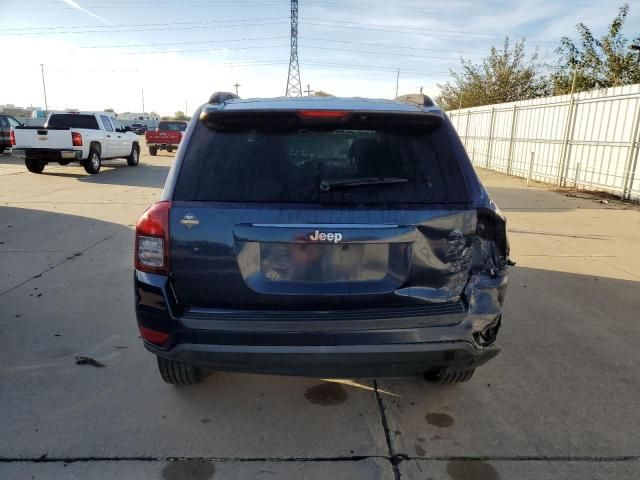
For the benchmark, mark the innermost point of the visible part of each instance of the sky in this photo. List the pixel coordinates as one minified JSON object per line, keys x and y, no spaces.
{"x":101,"y":54}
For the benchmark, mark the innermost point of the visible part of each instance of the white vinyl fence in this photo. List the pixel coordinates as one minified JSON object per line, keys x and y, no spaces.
{"x":590,"y":140}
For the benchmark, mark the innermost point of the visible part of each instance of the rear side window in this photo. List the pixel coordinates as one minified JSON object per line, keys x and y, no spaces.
{"x":173,"y":126}
{"x":106,"y":123}
{"x":290,"y":167}
{"x":64,"y":120}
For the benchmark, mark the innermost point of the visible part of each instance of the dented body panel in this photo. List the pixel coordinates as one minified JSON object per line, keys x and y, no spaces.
{"x":327,"y":289}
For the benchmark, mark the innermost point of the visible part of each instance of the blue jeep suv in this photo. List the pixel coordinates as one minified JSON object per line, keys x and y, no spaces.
{"x":321,"y":237}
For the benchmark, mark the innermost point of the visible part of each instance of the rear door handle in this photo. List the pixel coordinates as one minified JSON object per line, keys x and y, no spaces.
{"x":109,"y":136}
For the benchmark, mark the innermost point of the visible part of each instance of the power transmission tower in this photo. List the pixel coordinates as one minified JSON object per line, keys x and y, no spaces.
{"x":308,"y":91}
{"x":294,"y":87}
{"x":237,"y":85}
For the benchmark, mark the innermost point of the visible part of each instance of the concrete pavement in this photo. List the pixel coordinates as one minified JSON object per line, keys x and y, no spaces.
{"x":558,"y":402}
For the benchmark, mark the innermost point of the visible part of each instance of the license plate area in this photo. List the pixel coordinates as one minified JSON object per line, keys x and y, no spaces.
{"x":304,"y":262}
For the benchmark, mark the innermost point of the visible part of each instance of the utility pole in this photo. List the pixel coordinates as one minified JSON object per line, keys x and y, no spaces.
{"x":294,"y":85}
{"x":237,"y":85}
{"x":573,"y":82}
{"x":420,"y":90}
{"x":44,"y":89}
{"x":142,"y":92}
{"x":308,"y":91}
{"x":397,"y":82}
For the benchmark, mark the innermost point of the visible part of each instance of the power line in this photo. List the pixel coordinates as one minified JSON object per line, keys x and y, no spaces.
{"x":234,"y":40}
{"x":401,"y":29}
{"x":368,"y":52}
{"x":432,"y":32}
{"x":232,"y":20}
{"x":78,"y":32}
{"x":183,"y":43}
{"x":193,"y":50}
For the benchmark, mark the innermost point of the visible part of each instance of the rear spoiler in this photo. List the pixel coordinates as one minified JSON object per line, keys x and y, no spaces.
{"x":220,"y":120}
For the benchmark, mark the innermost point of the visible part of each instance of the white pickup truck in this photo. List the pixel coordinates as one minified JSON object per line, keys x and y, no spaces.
{"x":85,"y":137}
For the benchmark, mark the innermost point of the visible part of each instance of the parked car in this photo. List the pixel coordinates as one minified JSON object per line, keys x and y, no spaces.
{"x":84,"y":137}
{"x":166,"y":137}
{"x":7,"y":122}
{"x":139,"y":128}
{"x":321,"y":237}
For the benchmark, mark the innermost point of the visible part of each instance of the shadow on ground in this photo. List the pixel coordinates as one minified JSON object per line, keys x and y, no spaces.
{"x":565,"y":384}
{"x":113,"y":172}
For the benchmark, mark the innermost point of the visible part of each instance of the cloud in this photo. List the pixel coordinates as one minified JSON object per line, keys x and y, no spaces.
{"x":73,"y":4}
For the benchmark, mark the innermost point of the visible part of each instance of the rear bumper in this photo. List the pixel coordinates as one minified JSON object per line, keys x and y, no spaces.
{"x":47,"y":154}
{"x":332,"y":360}
{"x":162,"y":146}
{"x":312,"y":347}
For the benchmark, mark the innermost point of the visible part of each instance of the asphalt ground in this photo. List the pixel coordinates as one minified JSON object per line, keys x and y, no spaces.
{"x":560,"y":401}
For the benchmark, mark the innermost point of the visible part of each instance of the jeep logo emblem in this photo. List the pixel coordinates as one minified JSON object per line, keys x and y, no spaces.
{"x":319,"y":236}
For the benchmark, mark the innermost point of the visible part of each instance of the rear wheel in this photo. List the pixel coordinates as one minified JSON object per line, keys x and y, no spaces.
{"x":179,"y":373}
{"x":34,"y":165}
{"x":93,"y":163}
{"x":153,"y":151}
{"x":134,"y":157}
{"x":169,"y":149}
{"x":446,"y":377}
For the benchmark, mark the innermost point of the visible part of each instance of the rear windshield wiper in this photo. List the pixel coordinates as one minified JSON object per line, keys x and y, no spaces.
{"x":326,"y":185}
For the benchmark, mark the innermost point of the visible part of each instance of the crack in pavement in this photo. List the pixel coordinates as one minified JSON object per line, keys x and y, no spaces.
{"x":78,"y":253}
{"x":351,"y":458}
{"x":394,"y":458}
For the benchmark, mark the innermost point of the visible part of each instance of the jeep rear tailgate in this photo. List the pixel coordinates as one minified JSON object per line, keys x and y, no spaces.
{"x":370,"y":213}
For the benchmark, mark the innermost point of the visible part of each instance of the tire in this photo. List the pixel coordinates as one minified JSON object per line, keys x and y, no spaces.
{"x":1,"y":149}
{"x":34,"y":165}
{"x":169,"y":149}
{"x":179,"y":373}
{"x":93,"y":163}
{"x":444,"y":377}
{"x":134,"y":157}
{"x":153,"y":151}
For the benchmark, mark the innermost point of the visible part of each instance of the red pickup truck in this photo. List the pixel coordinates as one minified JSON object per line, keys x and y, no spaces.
{"x":166,"y":137}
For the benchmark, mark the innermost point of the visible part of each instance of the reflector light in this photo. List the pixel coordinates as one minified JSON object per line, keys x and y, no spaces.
{"x":12,"y":136}
{"x":153,"y":336}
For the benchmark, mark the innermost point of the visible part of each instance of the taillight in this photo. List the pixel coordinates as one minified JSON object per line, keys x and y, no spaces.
{"x":12,"y":136}
{"x":76,"y":139}
{"x":152,"y":240}
{"x":323,"y":114}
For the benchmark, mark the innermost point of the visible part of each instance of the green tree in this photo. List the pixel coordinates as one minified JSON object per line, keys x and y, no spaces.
{"x":503,"y":76}
{"x":179,"y":115}
{"x":109,"y":110}
{"x":320,"y":93}
{"x":597,"y":63}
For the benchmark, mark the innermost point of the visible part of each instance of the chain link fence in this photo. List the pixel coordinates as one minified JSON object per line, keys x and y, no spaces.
{"x":590,"y":140}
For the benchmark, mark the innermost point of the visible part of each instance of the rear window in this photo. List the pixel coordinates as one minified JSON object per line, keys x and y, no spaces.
{"x":290,"y":167}
{"x":73,"y":121}
{"x":173,"y":126}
